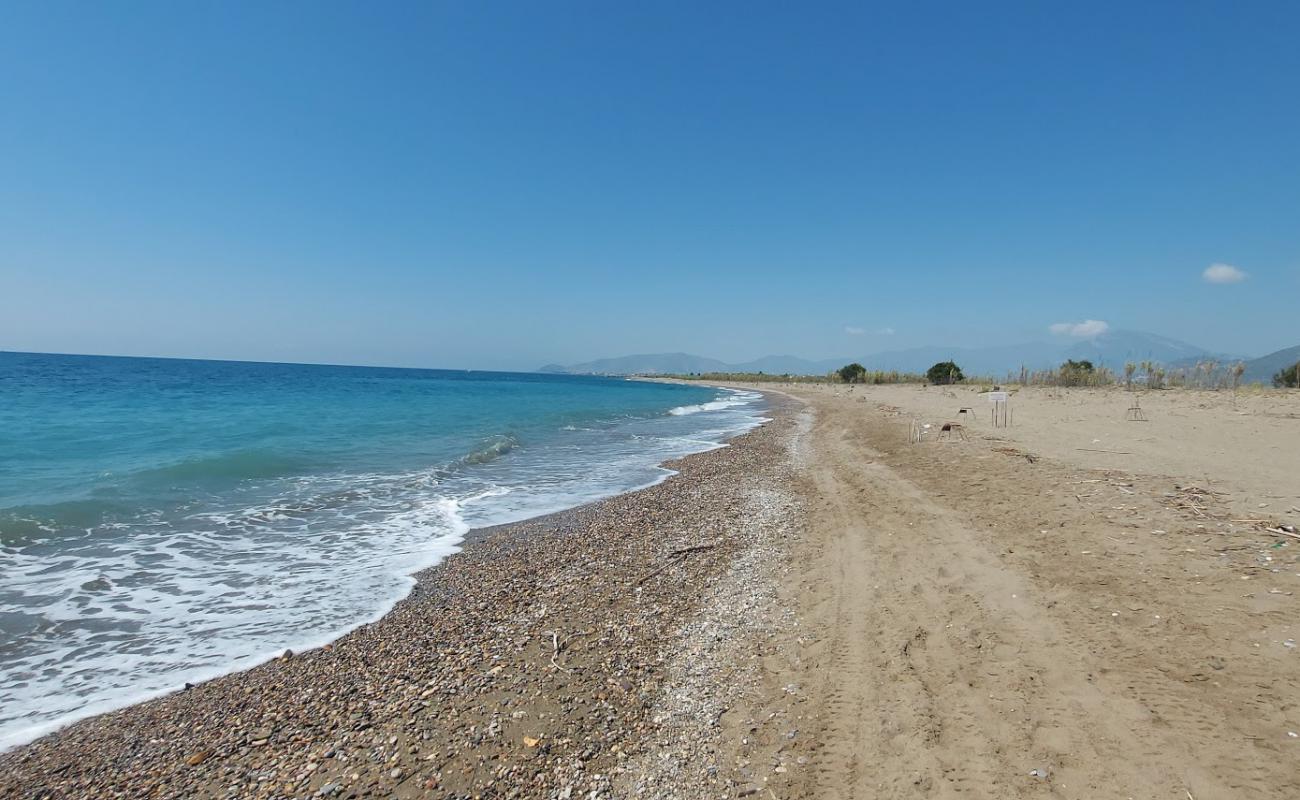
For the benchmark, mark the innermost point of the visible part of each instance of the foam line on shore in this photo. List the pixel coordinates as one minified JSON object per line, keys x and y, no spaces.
{"x":454,"y":530}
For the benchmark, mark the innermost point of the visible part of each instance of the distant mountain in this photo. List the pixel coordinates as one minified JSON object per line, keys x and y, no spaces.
{"x":644,"y":364}
{"x":784,"y":365}
{"x":973,"y":360}
{"x":1111,"y":349}
{"x":1114,"y":348}
{"x":1263,"y":369}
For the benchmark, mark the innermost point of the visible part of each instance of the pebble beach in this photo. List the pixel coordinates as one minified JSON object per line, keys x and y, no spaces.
{"x":588,"y":653}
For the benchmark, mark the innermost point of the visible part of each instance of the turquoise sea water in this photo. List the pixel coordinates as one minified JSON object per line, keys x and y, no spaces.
{"x":164,"y":521}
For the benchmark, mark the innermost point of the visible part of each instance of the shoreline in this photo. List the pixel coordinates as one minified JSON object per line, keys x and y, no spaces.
{"x":211,"y":723}
{"x":826,"y":608}
{"x":409,"y":579}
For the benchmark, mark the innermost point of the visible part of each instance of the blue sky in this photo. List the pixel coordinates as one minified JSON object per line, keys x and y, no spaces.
{"x":500,"y":185}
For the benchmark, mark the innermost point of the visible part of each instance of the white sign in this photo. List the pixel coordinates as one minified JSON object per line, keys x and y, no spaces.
{"x":997,"y":397}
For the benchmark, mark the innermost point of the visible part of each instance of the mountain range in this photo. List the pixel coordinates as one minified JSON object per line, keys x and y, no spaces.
{"x":1111,"y":349}
{"x":1263,"y":369}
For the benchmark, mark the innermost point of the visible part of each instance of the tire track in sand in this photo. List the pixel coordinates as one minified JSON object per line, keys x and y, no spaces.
{"x":932,"y":672}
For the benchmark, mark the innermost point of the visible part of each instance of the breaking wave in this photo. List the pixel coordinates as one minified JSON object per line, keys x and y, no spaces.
{"x":733,"y":399}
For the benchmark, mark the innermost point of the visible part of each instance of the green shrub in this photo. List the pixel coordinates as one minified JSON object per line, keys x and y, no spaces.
{"x":1288,"y":378}
{"x":852,"y":373}
{"x":944,"y":372}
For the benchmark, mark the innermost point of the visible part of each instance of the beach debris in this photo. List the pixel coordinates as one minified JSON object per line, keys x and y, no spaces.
{"x":1194,"y":499}
{"x":1001,"y":410}
{"x":675,"y":557}
{"x":1135,"y":412}
{"x":556,"y":646}
{"x":1287,"y":531}
{"x":955,"y":432}
{"x":1011,"y":451}
{"x":914,"y":432}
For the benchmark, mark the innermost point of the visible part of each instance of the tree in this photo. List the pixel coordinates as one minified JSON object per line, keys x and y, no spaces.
{"x":1083,"y":365}
{"x":944,"y":372}
{"x":852,"y":373}
{"x":1288,"y":378}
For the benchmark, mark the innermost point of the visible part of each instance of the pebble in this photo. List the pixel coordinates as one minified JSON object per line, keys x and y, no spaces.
{"x":560,"y":616}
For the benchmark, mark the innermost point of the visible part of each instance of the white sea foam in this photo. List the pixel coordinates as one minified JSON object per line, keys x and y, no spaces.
{"x":733,"y":399}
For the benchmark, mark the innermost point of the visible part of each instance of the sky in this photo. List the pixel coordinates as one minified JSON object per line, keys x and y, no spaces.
{"x":502,"y":185}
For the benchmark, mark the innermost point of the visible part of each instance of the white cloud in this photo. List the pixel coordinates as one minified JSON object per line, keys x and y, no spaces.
{"x":886,"y":331}
{"x":1080,"y":330}
{"x":852,"y":331}
{"x":1223,"y":273}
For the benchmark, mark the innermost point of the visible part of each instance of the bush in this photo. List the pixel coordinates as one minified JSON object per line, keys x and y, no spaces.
{"x":1076,"y":373}
{"x":944,"y":372}
{"x":1288,"y":378}
{"x":852,"y":373}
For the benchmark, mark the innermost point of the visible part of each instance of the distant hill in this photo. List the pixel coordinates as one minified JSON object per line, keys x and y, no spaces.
{"x":973,"y":360}
{"x":1114,"y":348}
{"x":785,"y":365}
{"x":1263,"y":369}
{"x":643,"y":364}
{"x":1111,"y":349}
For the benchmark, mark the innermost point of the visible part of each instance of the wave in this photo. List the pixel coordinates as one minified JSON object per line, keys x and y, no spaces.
{"x":735,"y":398}
{"x":25,"y":525}
{"x":237,"y":591}
{"x":490,"y":450}
{"x":232,"y":466}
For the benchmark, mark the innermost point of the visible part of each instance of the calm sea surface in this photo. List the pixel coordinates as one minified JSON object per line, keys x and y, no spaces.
{"x":165,"y":521}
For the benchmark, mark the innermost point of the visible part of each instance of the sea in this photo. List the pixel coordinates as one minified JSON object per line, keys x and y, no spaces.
{"x":165,"y":521}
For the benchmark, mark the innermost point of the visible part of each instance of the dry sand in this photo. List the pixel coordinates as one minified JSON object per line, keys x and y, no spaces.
{"x":1016,"y":615}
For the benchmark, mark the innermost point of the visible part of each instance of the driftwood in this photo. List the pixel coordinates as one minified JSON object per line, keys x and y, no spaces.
{"x":555,"y":651}
{"x":675,"y":557}
{"x":1094,"y":450}
{"x":1194,"y":499}
{"x":558,"y":646}
{"x":694,"y":549}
